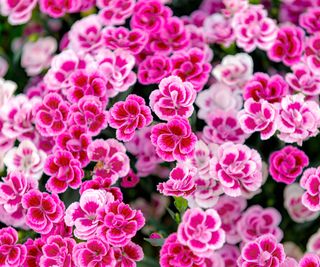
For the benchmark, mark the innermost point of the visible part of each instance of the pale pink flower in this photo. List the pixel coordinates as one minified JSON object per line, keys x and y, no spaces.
{"x":3,"y":66}
{"x":310,"y":181}
{"x":173,"y":98}
{"x":201,"y":231}
{"x":229,"y":254}
{"x":234,"y":70}
{"x":231,"y":7}
{"x":7,"y":89}
{"x":313,"y":244}
{"x":36,"y":56}
{"x":256,"y":221}
{"x":298,"y":119}
{"x":254,"y":29}
{"x":312,"y":53}
{"x":18,"y":12}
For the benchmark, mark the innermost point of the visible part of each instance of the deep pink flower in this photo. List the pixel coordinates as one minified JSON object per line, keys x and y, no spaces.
{"x":229,"y":254}
{"x":256,"y":221}
{"x":288,"y":46}
{"x":230,"y":210}
{"x":312,"y":53}
{"x":111,"y":158}
{"x":60,"y":229}
{"x":57,"y":251}
{"x":192,"y":67}
{"x":119,"y":223}
{"x":298,"y":119}
{"x":150,"y":16}
{"x":52,"y":114}
{"x":174,"y":140}
{"x":128,"y":255}
{"x":18,"y":12}
{"x":287,"y":164}
{"x":120,"y":37}
{"x":293,"y":204}
{"x":181,"y":182}
{"x":254,"y":29}
{"x":94,"y":252}
{"x":64,"y":170}
{"x":115,"y":12}
{"x":223,"y":127}
{"x":76,"y":141}
{"x":173,"y":98}
{"x":258,"y":116}
{"x":129,"y":115}
{"x":310,"y":20}
{"x":303,"y":80}
{"x":11,"y":253}
{"x":83,"y":214}
{"x":14,"y":186}
{"x":57,"y":9}
{"x":201,"y":231}
{"x":264,"y":251}
{"x":130,"y":180}
{"x":310,"y":260}
{"x":238,"y":168}
{"x":34,"y":252}
{"x":234,"y":70}
{"x":310,"y":181}
{"x":153,"y":69}
{"x":89,"y":113}
{"x":262,"y":86}
{"x":43,"y":210}
{"x":173,"y":253}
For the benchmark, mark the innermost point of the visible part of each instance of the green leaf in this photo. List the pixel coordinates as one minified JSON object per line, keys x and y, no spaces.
{"x":156,"y":242}
{"x":181,"y":204}
{"x":148,"y":262}
{"x":174,"y":216}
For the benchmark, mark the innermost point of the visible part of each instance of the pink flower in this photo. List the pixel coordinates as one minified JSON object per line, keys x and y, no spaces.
{"x":201,"y":231}
{"x":57,"y":251}
{"x":43,"y":210}
{"x":312,"y":53}
{"x":310,"y":181}
{"x":94,"y":252}
{"x":218,"y":30}
{"x":111,"y":158}
{"x":120,"y":37}
{"x":115,"y":12}
{"x":192,"y":67}
{"x":310,"y":20}
{"x":180,"y":183}
{"x":230,"y":210}
{"x":287,"y":164}
{"x":229,"y":254}
{"x":173,"y":253}
{"x":119,"y":223}
{"x":264,"y":251}
{"x":288,"y":46}
{"x":254,"y":29}
{"x":83,"y":214}
{"x":3,"y":66}
{"x":76,"y":141}
{"x":27,"y":159}
{"x":18,"y":12}
{"x":293,"y":204}
{"x":313,"y":244}
{"x":14,"y":186}
{"x":52,"y":114}
{"x":60,"y":229}
{"x":174,"y":140}
{"x":129,"y":115}
{"x":234,"y":6}
{"x":303,"y":80}
{"x":150,"y":16}
{"x":262,"y":86}
{"x":85,"y":35}
{"x":64,"y":170}
{"x":57,"y":9}
{"x":238,"y":168}
{"x":116,"y":68}
{"x":153,"y":69}
{"x":130,"y":180}
{"x":128,"y":255}
{"x":310,"y":260}
{"x":7,"y":89}
{"x":256,"y":221}
{"x":11,"y":253}
{"x":34,"y":252}
{"x":218,"y":97}
{"x":234,"y":70}
{"x":258,"y":116}
{"x":89,"y":113}
{"x":223,"y":127}
{"x":298,"y":119}
{"x":289,"y":262}
{"x":37,"y":56}
{"x":173,"y":98}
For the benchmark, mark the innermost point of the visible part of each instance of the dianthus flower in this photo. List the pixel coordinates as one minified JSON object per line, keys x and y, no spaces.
{"x":310,"y":20}
{"x":310,"y":181}
{"x":18,"y":12}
